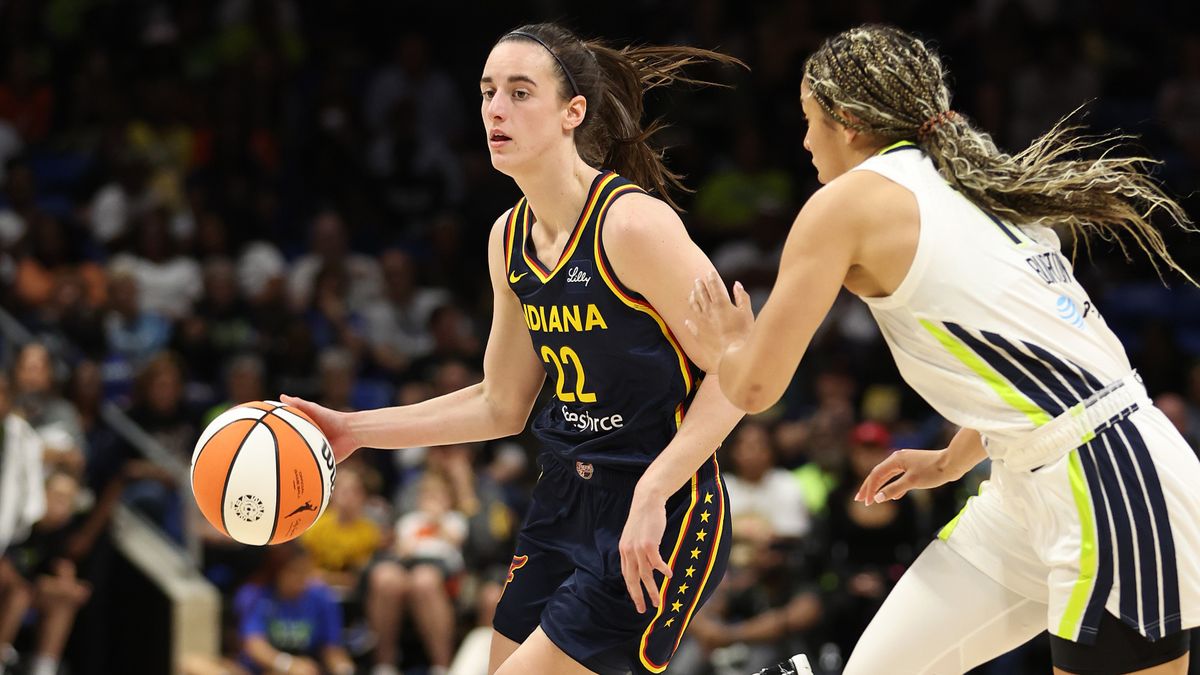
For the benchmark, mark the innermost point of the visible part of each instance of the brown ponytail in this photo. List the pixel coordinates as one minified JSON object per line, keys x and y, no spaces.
{"x":613,"y":81}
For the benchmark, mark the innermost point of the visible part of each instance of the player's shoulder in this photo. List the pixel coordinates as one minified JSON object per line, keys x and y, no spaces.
{"x":638,"y":216}
{"x":857,"y":199}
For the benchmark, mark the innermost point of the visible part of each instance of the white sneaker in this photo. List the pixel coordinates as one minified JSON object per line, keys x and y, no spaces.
{"x":385,"y":669}
{"x":797,"y":665}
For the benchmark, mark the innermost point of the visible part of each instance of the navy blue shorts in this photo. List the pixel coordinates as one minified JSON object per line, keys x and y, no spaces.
{"x":566,"y":572}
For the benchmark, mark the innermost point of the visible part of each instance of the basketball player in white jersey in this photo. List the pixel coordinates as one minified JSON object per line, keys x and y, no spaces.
{"x":1090,"y":524}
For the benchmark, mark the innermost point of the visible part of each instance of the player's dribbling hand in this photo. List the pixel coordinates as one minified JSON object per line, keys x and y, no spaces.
{"x":334,"y":425}
{"x":718,"y":322}
{"x":640,"y":556}
{"x":912,"y":470}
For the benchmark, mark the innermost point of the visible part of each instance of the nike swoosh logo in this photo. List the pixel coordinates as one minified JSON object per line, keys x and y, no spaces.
{"x":513,"y":277}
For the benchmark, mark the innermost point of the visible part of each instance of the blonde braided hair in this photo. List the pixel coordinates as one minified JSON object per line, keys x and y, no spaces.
{"x":884,"y":82}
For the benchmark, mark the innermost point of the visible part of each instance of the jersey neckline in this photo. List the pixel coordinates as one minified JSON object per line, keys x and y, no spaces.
{"x":528,"y":250}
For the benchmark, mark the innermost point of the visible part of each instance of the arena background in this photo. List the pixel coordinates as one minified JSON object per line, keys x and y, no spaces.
{"x":208,"y":202}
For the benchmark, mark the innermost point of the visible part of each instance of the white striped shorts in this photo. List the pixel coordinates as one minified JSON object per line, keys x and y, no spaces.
{"x":1114,"y":525}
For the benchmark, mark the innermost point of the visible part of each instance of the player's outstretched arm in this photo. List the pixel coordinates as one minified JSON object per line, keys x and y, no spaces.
{"x":652,"y":254}
{"x":759,"y":358}
{"x":499,"y":406}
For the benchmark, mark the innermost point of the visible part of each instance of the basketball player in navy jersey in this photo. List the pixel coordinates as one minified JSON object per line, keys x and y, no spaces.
{"x":627,"y":534}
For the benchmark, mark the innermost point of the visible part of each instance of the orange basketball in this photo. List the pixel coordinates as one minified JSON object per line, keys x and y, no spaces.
{"x":262,"y":472}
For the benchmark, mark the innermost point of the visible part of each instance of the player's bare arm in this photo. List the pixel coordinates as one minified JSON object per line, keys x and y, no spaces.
{"x":652,"y":253}
{"x":496,"y":407}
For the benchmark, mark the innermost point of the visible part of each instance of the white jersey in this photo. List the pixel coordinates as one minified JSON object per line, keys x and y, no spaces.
{"x":989,"y":326}
{"x":992,"y":329}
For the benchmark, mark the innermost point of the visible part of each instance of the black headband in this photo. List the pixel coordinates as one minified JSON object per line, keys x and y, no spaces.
{"x":531,"y":36}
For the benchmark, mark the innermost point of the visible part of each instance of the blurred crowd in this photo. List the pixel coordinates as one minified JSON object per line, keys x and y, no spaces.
{"x":205,"y":203}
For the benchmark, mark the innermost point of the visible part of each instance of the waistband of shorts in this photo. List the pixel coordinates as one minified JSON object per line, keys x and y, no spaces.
{"x":606,"y":477}
{"x":1075,"y":427}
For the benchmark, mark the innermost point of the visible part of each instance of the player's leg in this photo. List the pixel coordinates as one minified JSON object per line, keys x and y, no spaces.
{"x":502,"y":648}
{"x":944,"y":617}
{"x":539,"y":655}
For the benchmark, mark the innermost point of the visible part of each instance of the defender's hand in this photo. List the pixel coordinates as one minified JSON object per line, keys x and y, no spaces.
{"x":335,"y":425}
{"x":640,"y":556}
{"x":917,"y":470}
{"x":717,"y":322}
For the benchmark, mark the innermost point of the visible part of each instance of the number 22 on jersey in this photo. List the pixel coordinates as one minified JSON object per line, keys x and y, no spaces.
{"x":566,"y":356}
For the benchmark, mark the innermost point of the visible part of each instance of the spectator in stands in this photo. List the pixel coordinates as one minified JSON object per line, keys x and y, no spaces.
{"x":22,"y":489}
{"x":38,"y":572}
{"x":122,"y":201}
{"x":20,"y":209}
{"x":398,"y":323}
{"x":330,"y":247}
{"x":169,"y":282}
{"x":430,"y":537}
{"x":134,"y":335}
{"x":757,"y":487}
{"x":159,"y":408}
{"x":25,"y":99}
{"x":53,"y":252}
{"x":245,"y":380}
{"x":221,"y":324}
{"x":290,"y":621}
{"x":869,"y":549}
{"x":331,"y":319}
{"x":36,"y":397}
{"x":344,"y":539}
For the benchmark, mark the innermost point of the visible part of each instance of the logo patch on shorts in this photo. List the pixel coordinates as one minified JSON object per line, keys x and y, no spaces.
{"x":584,"y":470}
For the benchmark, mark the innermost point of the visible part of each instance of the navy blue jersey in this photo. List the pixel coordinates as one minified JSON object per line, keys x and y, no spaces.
{"x":622,"y":382}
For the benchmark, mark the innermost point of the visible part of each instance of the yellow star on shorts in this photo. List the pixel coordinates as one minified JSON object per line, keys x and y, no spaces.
{"x":683,"y":588}
{"x":675,"y":606}
{"x":704,"y":517}
{"x":701,"y":534}
{"x":669,"y":622}
{"x":690,"y":571}
{"x":695,"y":554}
{"x":707,"y":497}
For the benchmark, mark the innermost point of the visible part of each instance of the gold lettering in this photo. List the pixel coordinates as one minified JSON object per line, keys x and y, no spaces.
{"x":570,"y":318}
{"x":594,"y":319}
{"x":555,"y":324}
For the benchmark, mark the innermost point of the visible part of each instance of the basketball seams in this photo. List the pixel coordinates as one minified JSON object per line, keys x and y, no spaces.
{"x":279,"y":463}
{"x":311,"y":448}
{"x":278,"y":478}
{"x":232,"y":462}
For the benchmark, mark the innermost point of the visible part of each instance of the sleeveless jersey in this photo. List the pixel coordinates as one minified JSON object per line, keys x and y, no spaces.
{"x":622,"y":382}
{"x":989,"y":326}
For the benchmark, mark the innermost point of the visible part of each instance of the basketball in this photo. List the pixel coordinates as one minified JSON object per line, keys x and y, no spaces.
{"x":262,"y":472}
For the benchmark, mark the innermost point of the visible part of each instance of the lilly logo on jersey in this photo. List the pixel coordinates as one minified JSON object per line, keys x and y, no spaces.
{"x":579,"y":276}
{"x":584,"y":421}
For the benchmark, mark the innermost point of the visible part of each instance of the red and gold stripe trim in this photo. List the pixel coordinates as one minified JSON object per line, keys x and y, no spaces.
{"x":713,"y":550}
{"x":510,"y":233}
{"x":540,"y":270}
{"x":714,"y":546}
{"x":610,"y":279}
{"x":666,"y":585}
